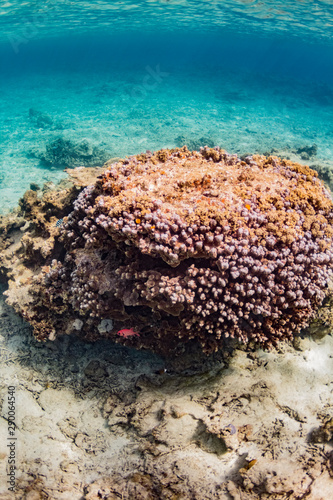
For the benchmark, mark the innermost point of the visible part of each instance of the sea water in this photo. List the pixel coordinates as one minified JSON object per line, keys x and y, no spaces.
{"x":122,"y":77}
{"x":108,"y":79}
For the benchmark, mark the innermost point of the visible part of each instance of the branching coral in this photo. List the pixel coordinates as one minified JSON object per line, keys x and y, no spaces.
{"x":183,"y":245}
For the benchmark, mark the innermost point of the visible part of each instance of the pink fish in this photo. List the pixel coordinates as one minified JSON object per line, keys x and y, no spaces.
{"x":127,"y":332}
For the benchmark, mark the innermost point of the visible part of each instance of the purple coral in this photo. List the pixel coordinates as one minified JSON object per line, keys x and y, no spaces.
{"x":202,"y":246}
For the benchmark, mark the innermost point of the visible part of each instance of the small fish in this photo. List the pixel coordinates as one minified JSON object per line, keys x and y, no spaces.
{"x":161,"y":371}
{"x":127,"y":332}
{"x":59,"y":222}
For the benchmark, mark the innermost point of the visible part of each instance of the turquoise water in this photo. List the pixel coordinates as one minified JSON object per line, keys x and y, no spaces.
{"x":119,"y":78}
{"x":82,"y":82}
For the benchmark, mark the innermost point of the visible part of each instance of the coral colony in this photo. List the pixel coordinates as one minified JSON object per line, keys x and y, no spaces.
{"x":179,"y":245}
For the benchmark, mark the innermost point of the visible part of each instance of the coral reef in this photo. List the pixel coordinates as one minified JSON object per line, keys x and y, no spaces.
{"x":179,"y":246}
{"x":65,"y":153}
{"x":29,"y":234}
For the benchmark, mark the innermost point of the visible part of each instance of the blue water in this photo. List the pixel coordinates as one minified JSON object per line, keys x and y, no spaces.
{"x":124,"y":77}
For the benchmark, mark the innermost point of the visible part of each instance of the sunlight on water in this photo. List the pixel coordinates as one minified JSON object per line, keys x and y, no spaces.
{"x":293,"y":18}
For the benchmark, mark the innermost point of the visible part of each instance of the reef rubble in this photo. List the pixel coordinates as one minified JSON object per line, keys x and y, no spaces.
{"x":175,"y":247}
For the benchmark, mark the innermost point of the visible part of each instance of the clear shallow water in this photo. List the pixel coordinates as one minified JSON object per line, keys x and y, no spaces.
{"x":246,"y":75}
{"x":295,"y":17}
{"x":125,"y":77}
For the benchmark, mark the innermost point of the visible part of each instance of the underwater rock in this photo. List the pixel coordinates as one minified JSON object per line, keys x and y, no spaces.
{"x":177,"y":246}
{"x":321,"y":325}
{"x":194,"y":144}
{"x":65,"y":153}
{"x":325,"y":172}
{"x":34,"y":186}
{"x":44,"y":121}
{"x":40,"y":120}
{"x":302,"y":152}
{"x":324,"y":433}
{"x":307,"y":152}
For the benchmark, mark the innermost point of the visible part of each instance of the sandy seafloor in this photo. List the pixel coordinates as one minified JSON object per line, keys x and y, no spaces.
{"x":102,"y":421}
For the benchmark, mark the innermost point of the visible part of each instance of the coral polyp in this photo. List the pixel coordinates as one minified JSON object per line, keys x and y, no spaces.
{"x":181,"y":245}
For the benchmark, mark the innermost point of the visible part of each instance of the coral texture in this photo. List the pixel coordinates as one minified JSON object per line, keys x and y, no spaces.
{"x":181,"y":245}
